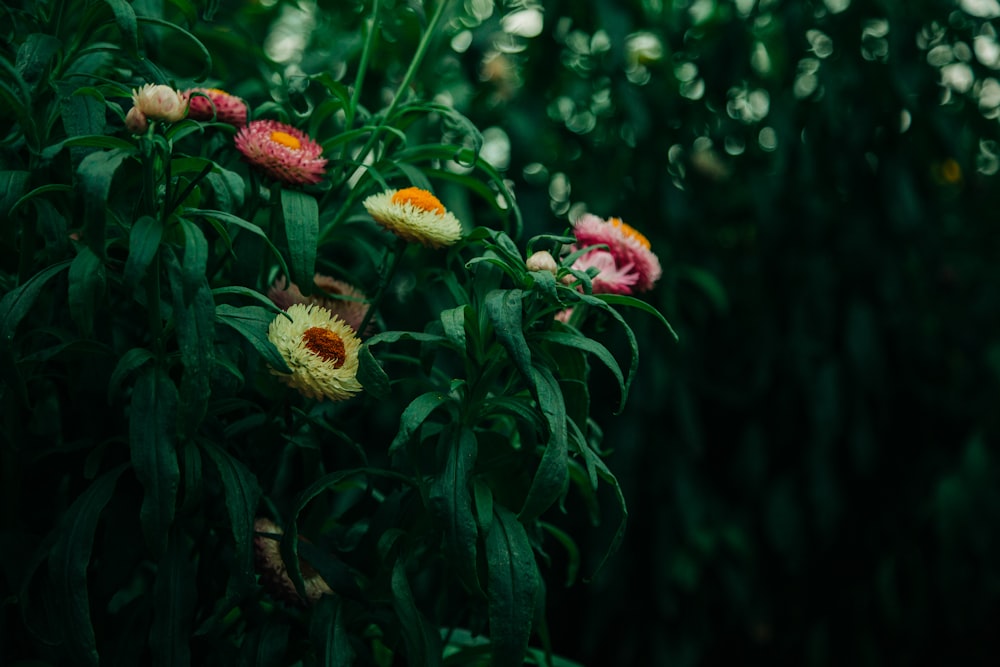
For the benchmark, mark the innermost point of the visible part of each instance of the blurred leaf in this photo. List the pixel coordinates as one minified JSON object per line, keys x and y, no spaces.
{"x":126,"y":20}
{"x":129,"y":362}
{"x":34,"y":55}
{"x":16,"y":303}
{"x":513,"y":587}
{"x":423,"y":644}
{"x":300,"y":213}
{"x":206,"y":65}
{"x":12,"y":187}
{"x":153,"y":442}
{"x":242,"y":493}
{"x":69,"y":560}
{"x":175,"y":593}
{"x":328,"y":634}
{"x":86,"y":286}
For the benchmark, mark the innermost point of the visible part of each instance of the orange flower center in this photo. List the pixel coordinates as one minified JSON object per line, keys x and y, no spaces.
{"x":285,"y":139}
{"x":422,"y":199}
{"x":630,"y":232}
{"x":325,"y":344}
{"x":217,"y":91}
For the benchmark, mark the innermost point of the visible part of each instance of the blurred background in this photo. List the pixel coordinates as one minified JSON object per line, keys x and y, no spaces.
{"x":811,"y":472}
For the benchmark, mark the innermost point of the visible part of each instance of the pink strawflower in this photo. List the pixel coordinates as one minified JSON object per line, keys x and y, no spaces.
{"x":136,"y":121}
{"x":216,"y":104}
{"x":610,"y":278}
{"x":352,"y":308}
{"x":281,"y":151}
{"x":627,"y":246}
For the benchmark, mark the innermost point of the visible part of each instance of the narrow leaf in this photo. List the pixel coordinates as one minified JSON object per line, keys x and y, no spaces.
{"x":16,"y":303}
{"x":595,"y":348}
{"x":96,"y":172}
{"x":252,"y":322}
{"x":300,"y":213}
{"x":423,"y":643}
{"x":328,"y":634}
{"x":86,"y":285}
{"x":371,"y":375}
{"x":450,"y":501}
{"x":513,"y":587}
{"x":503,"y":307}
{"x":174,"y":595}
{"x":242,"y":494}
{"x":414,"y":416}
{"x":552,"y":475}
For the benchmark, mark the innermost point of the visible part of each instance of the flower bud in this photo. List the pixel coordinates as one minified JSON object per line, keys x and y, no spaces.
{"x":160,"y":102}
{"x":136,"y":121}
{"x":542,"y":261}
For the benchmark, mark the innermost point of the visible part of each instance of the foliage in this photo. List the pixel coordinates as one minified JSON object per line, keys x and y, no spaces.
{"x":146,"y":424}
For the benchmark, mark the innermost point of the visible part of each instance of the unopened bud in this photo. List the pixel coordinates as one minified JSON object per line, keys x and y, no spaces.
{"x":136,"y":121}
{"x":542,"y":261}
{"x":160,"y":102}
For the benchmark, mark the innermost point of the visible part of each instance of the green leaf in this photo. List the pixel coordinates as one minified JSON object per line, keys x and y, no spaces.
{"x":552,"y":475}
{"x":371,"y":375}
{"x":512,"y":586}
{"x":300,"y":213}
{"x":249,"y":293}
{"x":12,"y":187}
{"x":194,"y":324}
{"x":96,"y":172}
{"x":144,"y":240}
{"x":129,"y":362}
{"x":450,"y":501}
{"x":195,"y":259}
{"x":328,"y":635}
{"x":83,"y":117}
{"x":34,"y":56}
{"x":16,"y":303}
{"x":86,"y":285}
{"x":153,"y":442}
{"x":126,"y":20}
{"x":206,"y":65}
{"x":231,"y":219}
{"x":593,"y":347}
{"x":453,"y":321}
{"x":415,"y":414}
{"x":252,"y":323}
{"x":423,"y":643}
{"x":174,"y":594}
{"x":68,"y":563}
{"x":503,"y":307}
{"x":625,"y":300}
{"x":242,"y":494}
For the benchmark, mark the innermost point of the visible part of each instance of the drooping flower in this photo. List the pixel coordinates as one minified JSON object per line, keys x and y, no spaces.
{"x":273,"y":571}
{"x":352,"y":308}
{"x":610,"y":278}
{"x":216,"y":104}
{"x":159,"y":102}
{"x":416,"y":216}
{"x":136,"y":121}
{"x":281,"y":151}
{"x":321,"y":350}
{"x":626,"y":245}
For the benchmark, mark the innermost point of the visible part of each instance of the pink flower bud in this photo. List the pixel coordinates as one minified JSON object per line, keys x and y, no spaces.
{"x":136,"y":121}
{"x":160,"y":102}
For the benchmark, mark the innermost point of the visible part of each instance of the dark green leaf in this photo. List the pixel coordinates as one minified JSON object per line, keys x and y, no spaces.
{"x":590,"y":346}
{"x":153,"y":441}
{"x":371,"y":375}
{"x":86,"y":286}
{"x":206,"y":65}
{"x":16,"y":303}
{"x":96,"y":172}
{"x":231,"y":219}
{"x":552,"y":475}
{"x":242,"y":493}
{"x":252,"y":323}
{"x":423,"y":643}
{"x":194,"y":323}
{"x":12,"y":187}
{"x":195,"y":259}
{"x":300,"y":213}
{"x":453,"y":320}
{"x":129,"y":362}
{"x":126,"y":20}
{"x":69,"y":561}
{"x":34,"y":56}
{"x":414,"y":416}
{"x":631,"y":301}
{"x":174,"y":593}
{"x":450,"y":500}
{"x":144,"y":240}
{"x":328,"y":634}
{"x":503,"y":307}
{"x":513,"y":587}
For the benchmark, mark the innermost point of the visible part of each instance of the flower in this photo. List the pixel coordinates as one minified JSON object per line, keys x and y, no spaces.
{"x":542,"y":261}
{"x":610,"y":278}
{"x":281,"y":151}
{"x":159,"y":102}
{"x":626,"y":245}
{"x":352,"y":309}
{"x":215,"y":104}
{"x":273,"y":572}
{"x":320,"y":349}
{"x":416,"y":216}
{"x":136,"y":121}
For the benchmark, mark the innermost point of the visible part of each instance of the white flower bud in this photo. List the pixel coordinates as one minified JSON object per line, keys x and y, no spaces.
{"x":160,"y":102}
{"x":136,"y":121}
{"x":542,"y":261}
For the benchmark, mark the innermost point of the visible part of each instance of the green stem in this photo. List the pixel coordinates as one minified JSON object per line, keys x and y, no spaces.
{"x":363,"y":66}
{"x":398,"y":252}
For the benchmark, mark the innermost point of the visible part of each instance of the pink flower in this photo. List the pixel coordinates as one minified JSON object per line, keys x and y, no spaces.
{"x":136,"y":121}
{"x":610,"y":278}
{"x":627,"y":246}
{"x":218,"y":105}
{"x":352,"y":308}
{"x":159,"y":102}
{"x":281,"y":151}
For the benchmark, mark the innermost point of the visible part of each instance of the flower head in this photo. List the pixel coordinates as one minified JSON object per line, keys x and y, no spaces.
{"x":626,"y":245}
{"x":416,"y":216}
{"x":281,"y":151}
{"x":320,"y":349}
{"x":610,"y":278}
{"x":216,"y":104}
{"x":136,"y":121}
{"x":273,"y":571}
{"x":159,"y":102}
{"x":352,"y":308}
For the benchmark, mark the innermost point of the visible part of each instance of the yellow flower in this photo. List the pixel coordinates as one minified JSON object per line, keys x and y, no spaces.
{"x":416,"y":216}
{"x":273,"y":572}
{"x":320,"y":349}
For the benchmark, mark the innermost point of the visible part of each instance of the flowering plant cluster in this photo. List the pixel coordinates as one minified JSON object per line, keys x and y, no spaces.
{"x":268,"y":398}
